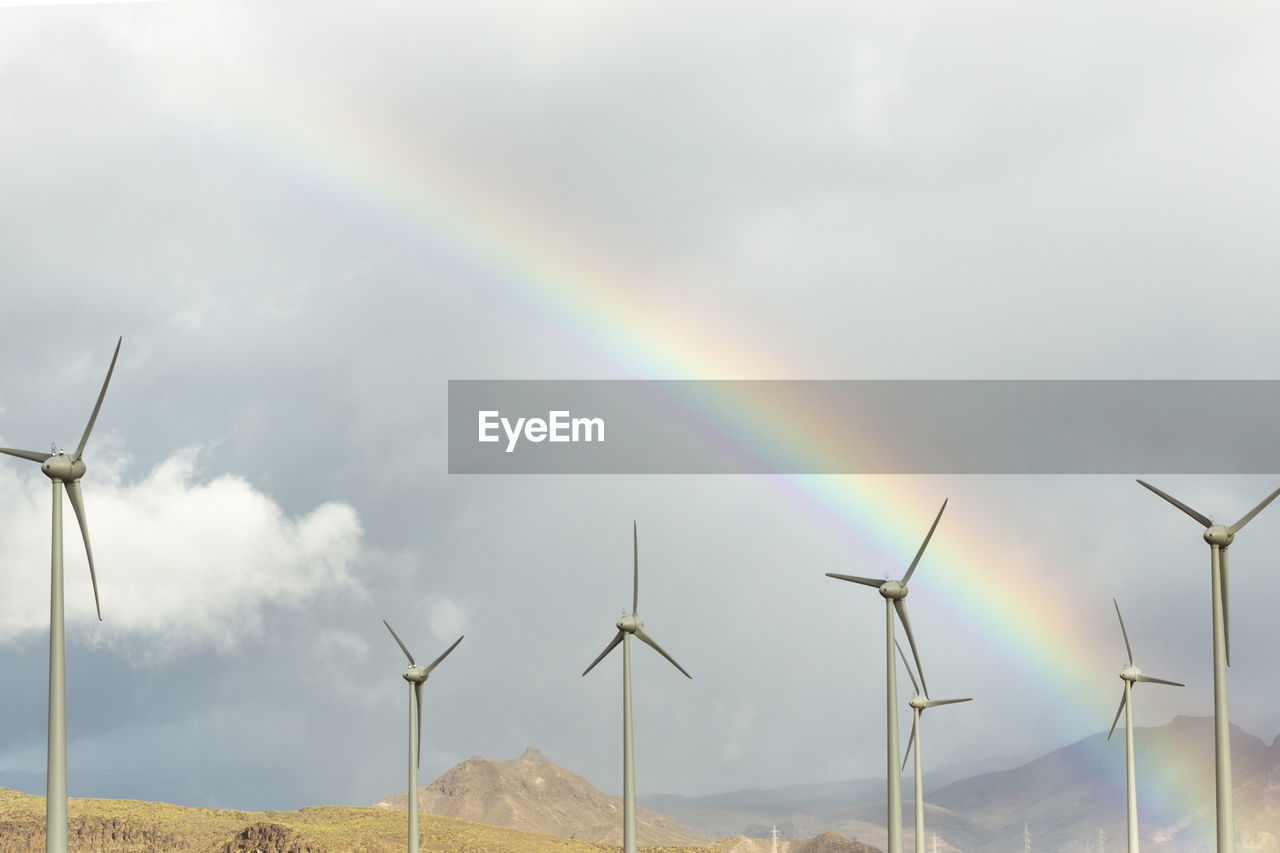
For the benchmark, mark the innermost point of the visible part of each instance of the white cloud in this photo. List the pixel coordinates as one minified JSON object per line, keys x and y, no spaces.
{"x":447,"y":619}
{"x":181,"y":560}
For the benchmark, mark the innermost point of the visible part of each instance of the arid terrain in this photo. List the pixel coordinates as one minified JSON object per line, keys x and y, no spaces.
{"x":1067,"y":800}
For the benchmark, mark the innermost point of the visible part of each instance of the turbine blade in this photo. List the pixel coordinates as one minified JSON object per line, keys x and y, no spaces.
{"x":635,"y":574}
{"x":84,"y":438}
{"x":649,"y":641}
{"x":1153,"y":680}
{"x":1203,"y":519}
{"x":901,"y":606}
{"x":33,"y":455}
{"x":864,"y":581}
{"x":399,"y":642}
{"x":417,"y":690}
{"x":907,"y":665}
{"x":1226,"y":605}
{"x":77,"y":504}
{"x":1117,"y":719}
{"x":1257,"y":509}
{"x":910,"y":741}
{"x":617,"y":638}
{"x":933,"y":703}
{"x":923,"y":545}
{"x":436,"y":662}
{"x":1123,"y":632}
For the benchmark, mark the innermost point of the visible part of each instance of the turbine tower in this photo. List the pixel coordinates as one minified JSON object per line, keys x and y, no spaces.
{"x":918,"y":704}
{"x":63,"y":469}
{"x":627,"y":626}
{"x":1129,"y":675}
{"x":1219,"y":538}
{"x":895,"y":593}
{"x":416,"y":675}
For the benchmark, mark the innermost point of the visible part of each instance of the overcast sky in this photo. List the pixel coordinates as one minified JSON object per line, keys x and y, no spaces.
{"x":305,"y":220}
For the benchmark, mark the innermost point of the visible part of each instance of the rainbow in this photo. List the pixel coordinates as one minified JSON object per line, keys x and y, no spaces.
{"x":435,"y":204}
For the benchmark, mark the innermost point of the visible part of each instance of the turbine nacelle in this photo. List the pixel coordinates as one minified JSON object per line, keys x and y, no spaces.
{"x":894,"y":590}
{"x":1219,"y":535}
{"x":630,"y":624}
{"x":62,"y":467}
{"x":414,"y":674}
{"x":917,"y":702}
{"x":1131,"y":673}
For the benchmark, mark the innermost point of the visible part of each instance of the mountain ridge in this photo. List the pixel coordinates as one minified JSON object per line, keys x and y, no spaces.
{"x":1064,"y":796}
{"x":534,"y":794}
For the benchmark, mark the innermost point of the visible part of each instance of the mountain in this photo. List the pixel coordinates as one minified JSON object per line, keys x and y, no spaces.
{"x":798,"y":809}
{"x":827,"y":842}
{"x":533,"y":794}
{"x":753,"y":812}
{"x":1064,"y":798}
{"x":1067,"y":796}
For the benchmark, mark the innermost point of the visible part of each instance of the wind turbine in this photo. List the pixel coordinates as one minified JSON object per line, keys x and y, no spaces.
{"x":1129,"y":675}
{"x":894,"y":593}
{"x":918,"y":704}
{"x":1219,"y":538}
{"x":63,"y":469}
{"x":627,"y":626}
{"x":416,"y":675}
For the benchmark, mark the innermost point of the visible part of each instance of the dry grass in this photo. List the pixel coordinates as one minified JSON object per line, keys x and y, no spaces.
{"x":131,"y":826}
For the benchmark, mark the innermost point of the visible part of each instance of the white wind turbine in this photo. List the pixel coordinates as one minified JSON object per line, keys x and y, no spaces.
{"x":1129,"y":675}
{"x":627,"y":626}
{"x":416,"y":675}
{"x":918,"y":704}
{"x":63,"y":469}
{"x":1219,"y":538}
{"x":894,"y":593}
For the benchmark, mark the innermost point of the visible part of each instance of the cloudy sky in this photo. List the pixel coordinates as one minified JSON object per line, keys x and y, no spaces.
{"x":305,"y":221}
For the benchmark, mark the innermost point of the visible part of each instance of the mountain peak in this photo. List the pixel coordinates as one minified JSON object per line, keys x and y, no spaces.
{"x":534,"y":794}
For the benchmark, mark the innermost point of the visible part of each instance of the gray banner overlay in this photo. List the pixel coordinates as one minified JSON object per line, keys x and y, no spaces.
{"x":864,"y":427}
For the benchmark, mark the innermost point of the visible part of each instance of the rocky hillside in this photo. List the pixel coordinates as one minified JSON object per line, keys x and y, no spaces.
{"x":1068,"y":795}
{"x":1064,"y":798}
{"x":533,"y":794}
{"x":129,"y":826}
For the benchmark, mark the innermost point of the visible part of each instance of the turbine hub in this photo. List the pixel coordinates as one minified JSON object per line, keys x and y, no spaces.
{"x":917,"y":702}
{"x":415,"y":674}
{"x":630,"y":624}
{"x":893,"y":590}
{"x":1130,"y":673}
{"x":1219,"y":535}
{"x":61,"y":467}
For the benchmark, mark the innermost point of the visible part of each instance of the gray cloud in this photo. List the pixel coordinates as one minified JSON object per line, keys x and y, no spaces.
{"x":305,"y":222}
